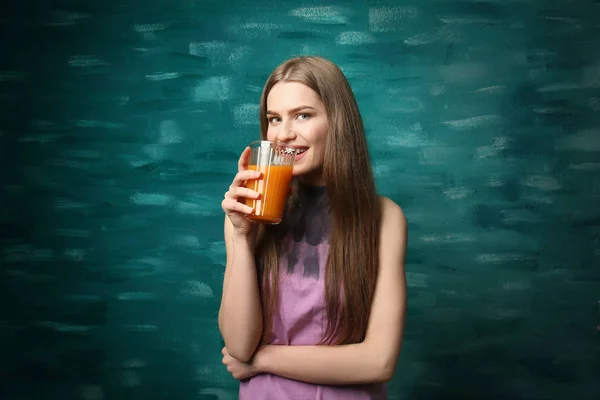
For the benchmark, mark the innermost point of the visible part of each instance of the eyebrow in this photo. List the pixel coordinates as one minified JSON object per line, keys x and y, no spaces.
{"x":294,"y":110}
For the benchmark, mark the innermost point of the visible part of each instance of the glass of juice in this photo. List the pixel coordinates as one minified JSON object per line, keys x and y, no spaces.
{"x":276,"y":162}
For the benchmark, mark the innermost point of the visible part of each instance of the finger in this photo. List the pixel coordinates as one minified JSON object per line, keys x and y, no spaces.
{"x":246,"y":175}
{"x":244,"y":158}
{"x":241,"y":179}
{"x":242,"y":192}
{"x":235,"y":192}
{"x":232,"y":205}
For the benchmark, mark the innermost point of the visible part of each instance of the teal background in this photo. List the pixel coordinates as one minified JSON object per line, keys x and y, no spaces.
{"x":120,"y":126}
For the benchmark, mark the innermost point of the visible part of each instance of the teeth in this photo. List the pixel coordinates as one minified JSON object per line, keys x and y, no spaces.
{"x":300,"y":151}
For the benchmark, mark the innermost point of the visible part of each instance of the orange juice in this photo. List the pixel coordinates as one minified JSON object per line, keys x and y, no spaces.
{"x":273,"y":187}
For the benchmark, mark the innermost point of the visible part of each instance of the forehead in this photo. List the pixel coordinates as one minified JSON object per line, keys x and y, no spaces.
{"x":287,"y":95}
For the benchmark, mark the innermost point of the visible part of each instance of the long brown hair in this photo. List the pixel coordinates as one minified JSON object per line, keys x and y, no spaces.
{"x":352,"y":263}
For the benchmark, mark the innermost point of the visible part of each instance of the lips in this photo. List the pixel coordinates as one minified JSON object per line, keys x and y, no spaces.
{"x":300,"y":152}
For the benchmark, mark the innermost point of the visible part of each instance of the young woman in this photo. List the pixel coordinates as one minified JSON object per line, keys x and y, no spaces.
{"x":313,"y":308}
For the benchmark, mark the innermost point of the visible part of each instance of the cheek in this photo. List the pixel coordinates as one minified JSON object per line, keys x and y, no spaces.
{"x":321,"y":138}
{"x":321,"y":132}
{"x":271,"y":135}
{"x":319,"y":147}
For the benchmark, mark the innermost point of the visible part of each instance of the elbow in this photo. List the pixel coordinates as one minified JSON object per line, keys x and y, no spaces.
{"x":240,"y":346}
{"x":242,"y":350}
{"x":381,"y":363}
{"x":385,"y":375}
{"x":379,"y":370}
{"x":241,"y":354}
{"x":385,"y":370}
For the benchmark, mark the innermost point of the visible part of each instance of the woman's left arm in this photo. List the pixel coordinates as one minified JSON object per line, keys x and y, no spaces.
{"x":374,"y":359}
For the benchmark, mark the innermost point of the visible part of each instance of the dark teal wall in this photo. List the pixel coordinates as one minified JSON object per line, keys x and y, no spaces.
{"x":120,"y":126}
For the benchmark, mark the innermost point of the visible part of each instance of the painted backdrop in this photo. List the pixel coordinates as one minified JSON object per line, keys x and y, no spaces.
{"x":120,"y":126}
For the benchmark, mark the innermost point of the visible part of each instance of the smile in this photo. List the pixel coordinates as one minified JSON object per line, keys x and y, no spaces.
{"x":300,"y":153}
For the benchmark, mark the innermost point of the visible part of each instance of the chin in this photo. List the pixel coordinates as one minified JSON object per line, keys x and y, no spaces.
{"x":297,"y":172}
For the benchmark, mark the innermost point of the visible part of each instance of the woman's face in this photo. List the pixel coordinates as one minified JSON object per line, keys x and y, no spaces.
{"x":297,"y":117}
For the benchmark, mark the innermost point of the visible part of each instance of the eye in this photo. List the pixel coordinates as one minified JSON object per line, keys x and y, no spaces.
{"x":273,"y":120}
{"x":303,"y":116}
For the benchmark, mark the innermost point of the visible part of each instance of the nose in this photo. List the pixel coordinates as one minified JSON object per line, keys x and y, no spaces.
{"x":286,"y":133}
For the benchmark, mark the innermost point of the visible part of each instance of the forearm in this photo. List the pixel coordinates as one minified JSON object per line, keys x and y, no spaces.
{"x":240,"y":315}
{"x":327,"y":365}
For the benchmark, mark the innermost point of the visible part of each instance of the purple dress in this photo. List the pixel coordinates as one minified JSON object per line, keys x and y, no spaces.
{"x":298,"y":320}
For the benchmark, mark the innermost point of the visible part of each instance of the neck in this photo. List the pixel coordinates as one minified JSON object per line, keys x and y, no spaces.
{"x":314,"y":178}
{"x":310,"y":193}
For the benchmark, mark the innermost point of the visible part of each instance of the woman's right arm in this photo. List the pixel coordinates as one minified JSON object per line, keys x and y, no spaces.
{"x":240,"y":314}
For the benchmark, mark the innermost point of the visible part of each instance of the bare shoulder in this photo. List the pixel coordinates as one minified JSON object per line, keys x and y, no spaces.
{"x":391,"y":213}
{"x":393,"y":236}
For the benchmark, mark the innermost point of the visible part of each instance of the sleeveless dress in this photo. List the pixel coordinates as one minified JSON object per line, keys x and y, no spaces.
{"x":299,"y":318}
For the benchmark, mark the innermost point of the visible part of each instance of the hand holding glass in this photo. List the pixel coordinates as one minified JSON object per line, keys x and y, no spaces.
{"x":275,"y":161}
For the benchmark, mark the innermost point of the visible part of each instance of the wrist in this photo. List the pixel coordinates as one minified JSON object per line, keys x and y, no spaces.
{"x":243,"y":238}
{"x":261,"y":360}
